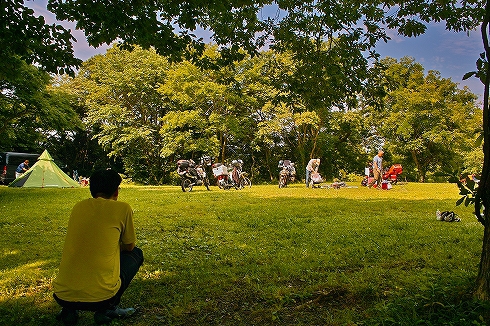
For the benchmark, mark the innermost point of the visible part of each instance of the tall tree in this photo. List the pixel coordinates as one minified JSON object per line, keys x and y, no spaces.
{"x":30,"y":110}
{"x":77,"y":148}
{"x":124,"y":108}
{"x":29,"y":48}
{"x":482,"y":198}
{"x":343,"y":144}
{"x":428,"y":121}
{"x":200,"y":125}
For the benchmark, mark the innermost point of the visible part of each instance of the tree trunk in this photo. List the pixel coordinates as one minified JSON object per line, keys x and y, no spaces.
{"x":223,"y":147}
{"x":315,"y":141}
{"x":252,"y":167}
{"x":268,"y":163}
{"x":483,"y":280}
{"x":419,"y":167}
{"x":482,"y":200}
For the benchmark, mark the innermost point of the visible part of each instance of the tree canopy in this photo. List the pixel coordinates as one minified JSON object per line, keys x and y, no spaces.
{"x":428,"y":121}
{"x":170,"y":27}
{"x":150,"y":112}
{"x":30,"y":110}
{"x":27,"y":37}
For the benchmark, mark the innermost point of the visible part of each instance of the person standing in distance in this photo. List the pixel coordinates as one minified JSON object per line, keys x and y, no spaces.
{"x":377,"y":170}
{"x":99,"y":257}
{"x":23,"y":167}
{"x":311,"y":167}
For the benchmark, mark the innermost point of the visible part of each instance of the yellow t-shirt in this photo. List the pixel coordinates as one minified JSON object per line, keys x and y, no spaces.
{"x":89,"y":269}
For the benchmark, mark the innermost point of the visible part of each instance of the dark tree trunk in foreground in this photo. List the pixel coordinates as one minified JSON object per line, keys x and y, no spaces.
{"x":482,"y":202}
{"x":483,"y":281}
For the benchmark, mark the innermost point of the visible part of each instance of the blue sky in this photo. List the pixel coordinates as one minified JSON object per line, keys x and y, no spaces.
{"x":452,"y":54}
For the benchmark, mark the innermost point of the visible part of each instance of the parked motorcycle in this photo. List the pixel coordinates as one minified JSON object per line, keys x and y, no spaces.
{"x":223,"y":179}
{"x":239,"y":177}
{"x":390,"y":175}
{"x":232,"y":176}
{"x":191,"y":175}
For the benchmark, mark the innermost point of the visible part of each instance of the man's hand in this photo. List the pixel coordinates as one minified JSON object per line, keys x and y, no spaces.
{"x":127,"y":247}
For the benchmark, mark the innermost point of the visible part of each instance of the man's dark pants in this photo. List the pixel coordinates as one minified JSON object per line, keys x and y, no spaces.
{"x":130,"y":264}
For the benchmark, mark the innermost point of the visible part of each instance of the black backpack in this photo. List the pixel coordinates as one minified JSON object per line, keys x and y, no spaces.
{"x":448,"y":216}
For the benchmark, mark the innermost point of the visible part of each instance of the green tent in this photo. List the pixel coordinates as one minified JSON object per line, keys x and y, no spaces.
{"x":44,"y":174}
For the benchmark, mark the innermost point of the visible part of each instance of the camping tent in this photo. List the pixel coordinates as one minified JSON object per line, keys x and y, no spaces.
{"x":44,"y":174}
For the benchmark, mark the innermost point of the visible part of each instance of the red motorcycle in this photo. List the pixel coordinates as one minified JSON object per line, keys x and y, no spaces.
{"x":393,"y":172}
{"x":390,"y":175}
{"x":224,"y":179}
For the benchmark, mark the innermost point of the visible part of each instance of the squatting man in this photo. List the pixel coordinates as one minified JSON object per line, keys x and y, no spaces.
{"x":99,"y":257}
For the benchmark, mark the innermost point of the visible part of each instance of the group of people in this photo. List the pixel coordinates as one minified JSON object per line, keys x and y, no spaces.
{"x":314,"y":164}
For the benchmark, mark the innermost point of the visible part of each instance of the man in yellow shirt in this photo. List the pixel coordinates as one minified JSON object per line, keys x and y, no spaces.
{"x":99,"y":257}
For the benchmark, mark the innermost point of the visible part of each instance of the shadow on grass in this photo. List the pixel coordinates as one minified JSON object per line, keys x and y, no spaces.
{"x":238,"y":303}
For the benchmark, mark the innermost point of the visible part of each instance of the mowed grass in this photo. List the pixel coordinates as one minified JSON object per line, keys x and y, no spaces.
{"x":261,"y":256}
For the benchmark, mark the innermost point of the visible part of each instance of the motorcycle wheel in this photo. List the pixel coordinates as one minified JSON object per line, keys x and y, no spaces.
{"x":282,"y":182}
{"x":186,"y":185}
{"x":246,"y":182}
{"x":219,"y":184}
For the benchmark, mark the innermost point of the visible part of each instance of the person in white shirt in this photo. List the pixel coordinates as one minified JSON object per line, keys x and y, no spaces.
{"x":312,"y":167}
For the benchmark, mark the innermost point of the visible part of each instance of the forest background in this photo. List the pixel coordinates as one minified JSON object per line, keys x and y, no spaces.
{"x":329,"y":96}
{"x":139,"y":112}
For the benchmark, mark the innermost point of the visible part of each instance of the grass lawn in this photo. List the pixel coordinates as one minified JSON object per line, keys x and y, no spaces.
{"x":261,"y":256}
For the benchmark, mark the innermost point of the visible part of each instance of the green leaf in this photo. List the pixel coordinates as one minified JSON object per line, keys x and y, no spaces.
{"x":469,"y":74}
{"x":460,"y":201}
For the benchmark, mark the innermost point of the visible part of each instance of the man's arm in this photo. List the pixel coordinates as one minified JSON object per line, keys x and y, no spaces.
{"x":128,"y":236}
{"x":127,"y":247}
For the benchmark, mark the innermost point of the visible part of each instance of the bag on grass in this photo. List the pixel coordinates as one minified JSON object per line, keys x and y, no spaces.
{"x":447,"y":216}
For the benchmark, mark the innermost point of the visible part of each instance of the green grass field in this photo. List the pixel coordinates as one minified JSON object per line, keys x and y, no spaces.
{"x":261,"y":256}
